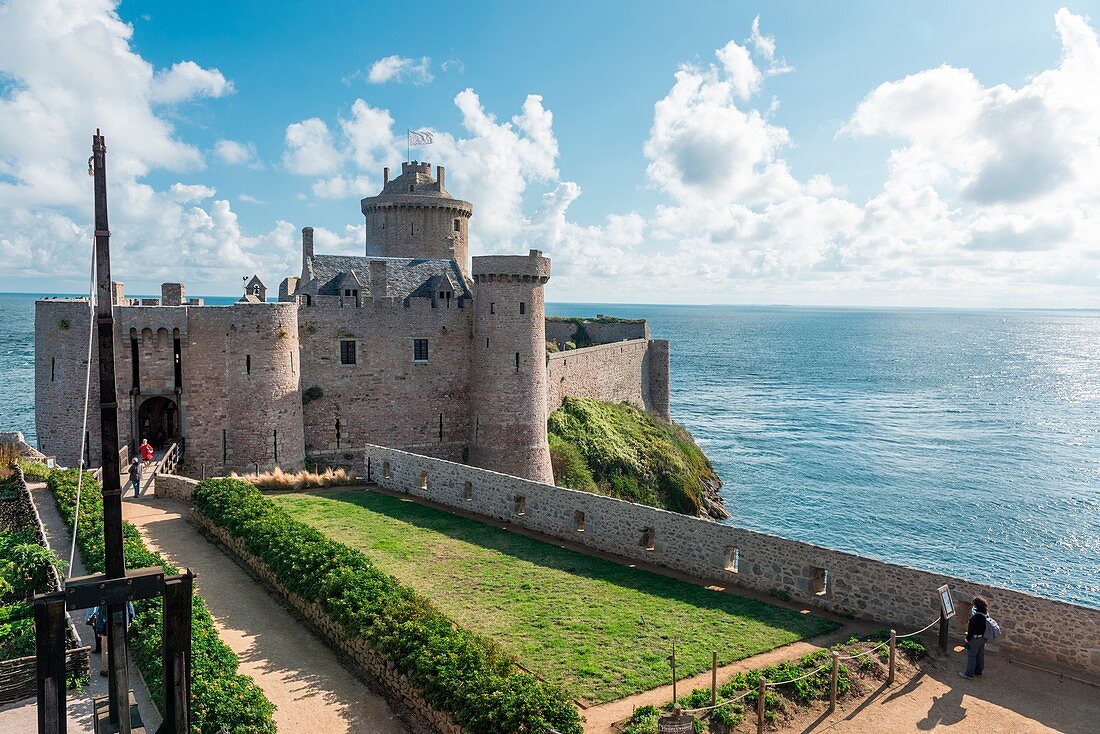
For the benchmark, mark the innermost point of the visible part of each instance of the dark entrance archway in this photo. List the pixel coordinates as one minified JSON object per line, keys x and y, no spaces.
{"x":158,"y":421}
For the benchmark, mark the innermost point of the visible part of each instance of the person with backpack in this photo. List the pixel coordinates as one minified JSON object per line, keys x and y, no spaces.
{"x":979,"y":630}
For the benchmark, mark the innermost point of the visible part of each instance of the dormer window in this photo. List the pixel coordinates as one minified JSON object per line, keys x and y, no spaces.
{"x":458,"y":226}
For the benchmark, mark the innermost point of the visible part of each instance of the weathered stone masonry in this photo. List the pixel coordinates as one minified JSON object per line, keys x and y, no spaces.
{"x":634,"y":372}
{"x":1065,"y":634}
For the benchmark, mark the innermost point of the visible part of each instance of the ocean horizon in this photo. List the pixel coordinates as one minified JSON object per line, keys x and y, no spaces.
{"x":964,"y":441}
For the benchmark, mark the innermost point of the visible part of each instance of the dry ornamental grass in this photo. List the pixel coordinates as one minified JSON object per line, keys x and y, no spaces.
{"x":280,"y":480}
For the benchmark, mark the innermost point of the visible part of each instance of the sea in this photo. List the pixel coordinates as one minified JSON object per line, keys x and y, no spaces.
{"x":965,"y":442}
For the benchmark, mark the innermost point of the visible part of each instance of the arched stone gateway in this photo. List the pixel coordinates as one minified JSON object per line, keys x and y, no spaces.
{"x":158,"y":421}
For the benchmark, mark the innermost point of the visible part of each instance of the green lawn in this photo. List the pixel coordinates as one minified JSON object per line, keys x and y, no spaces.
{"x":601,"y":629}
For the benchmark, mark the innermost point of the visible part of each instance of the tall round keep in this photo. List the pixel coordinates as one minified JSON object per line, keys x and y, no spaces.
{"x":508,"y":366}
{"x":415,"y":217}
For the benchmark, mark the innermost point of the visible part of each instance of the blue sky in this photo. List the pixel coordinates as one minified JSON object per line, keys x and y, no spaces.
{"x":837,"y":193}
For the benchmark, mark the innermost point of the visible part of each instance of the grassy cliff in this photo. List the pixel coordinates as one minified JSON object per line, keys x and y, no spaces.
{"x":623,"y":452}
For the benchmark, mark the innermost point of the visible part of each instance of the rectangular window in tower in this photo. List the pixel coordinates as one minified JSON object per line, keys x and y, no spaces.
{"x":248,"y":364}
{"x":337,"y":433}
{"x":225,"y":445}
{"x":486,"y":342}
{"x":441,"y":428}
{"x":275,"y":444}
{"x":420,"y":351}
{"x":177,"y":362}
{"x":522,"y":308}
{"x":347,"y":351}
{"x":458,"y":226}
{"x":53,"y":367}
{"x":135,"y":364}
{"x":517,"y":361}
{"x":492,"y":308}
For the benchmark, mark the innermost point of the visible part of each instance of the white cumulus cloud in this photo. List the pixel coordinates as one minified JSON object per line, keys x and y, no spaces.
{"x":400,"y":69}
{"x":187,"y":80}
{"x":236,"y":153}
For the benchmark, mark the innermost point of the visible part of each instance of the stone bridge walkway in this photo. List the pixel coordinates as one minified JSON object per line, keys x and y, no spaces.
{"x":298,"y":672}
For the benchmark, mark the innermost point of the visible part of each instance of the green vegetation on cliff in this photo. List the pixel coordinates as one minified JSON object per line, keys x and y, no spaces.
{"x":620,"y":451}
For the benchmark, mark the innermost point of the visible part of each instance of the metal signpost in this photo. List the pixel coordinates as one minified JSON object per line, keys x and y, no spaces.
{"x":947,"y":611}
{"x":116,"y":586}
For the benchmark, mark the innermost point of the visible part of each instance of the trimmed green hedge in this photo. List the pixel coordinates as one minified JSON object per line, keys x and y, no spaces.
{"x":220,"y":696}
{"x":472,"y":678}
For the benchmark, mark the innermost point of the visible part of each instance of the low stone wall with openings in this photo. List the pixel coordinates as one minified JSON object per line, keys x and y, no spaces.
{"x":396,"y":686}
{"x":1065,"y":634}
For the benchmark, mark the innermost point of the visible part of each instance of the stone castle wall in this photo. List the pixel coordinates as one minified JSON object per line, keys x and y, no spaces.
{"x":634,"y":372}
{"x":387,"y":397}
{"x":1067,"y":635}
{"x":599,"y":332}
{"x":421,"y":227}
{"x":238,"y":401}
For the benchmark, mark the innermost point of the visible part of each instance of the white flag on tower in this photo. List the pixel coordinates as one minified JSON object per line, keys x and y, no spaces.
{"x":420,"y":137}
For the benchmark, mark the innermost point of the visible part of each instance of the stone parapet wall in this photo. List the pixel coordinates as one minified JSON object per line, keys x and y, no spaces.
{"x":396,"y":687}
{"x":599,"y":332}
{"x":175,"y":487}
{"x":615,"y":373}
{"x":1066,"y":635}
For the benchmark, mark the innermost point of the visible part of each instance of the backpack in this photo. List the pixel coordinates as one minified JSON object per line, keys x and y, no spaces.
{"x":992,"y":629}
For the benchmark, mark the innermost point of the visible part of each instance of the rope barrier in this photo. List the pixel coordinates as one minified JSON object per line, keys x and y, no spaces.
{"x":923,"y":629}
{"x":776,"y":684}
{"x":87,"y":396}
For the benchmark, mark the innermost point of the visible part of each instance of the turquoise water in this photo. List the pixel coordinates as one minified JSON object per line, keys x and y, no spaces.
{"x":964,"y":442}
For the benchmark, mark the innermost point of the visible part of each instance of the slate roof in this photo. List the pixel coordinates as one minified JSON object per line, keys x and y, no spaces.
{"x":408,"y":277}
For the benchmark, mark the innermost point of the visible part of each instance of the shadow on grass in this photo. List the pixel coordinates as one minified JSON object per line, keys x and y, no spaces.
{"x":548,"y":555}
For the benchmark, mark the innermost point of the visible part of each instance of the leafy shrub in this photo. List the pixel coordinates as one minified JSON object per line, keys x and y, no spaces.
{"x":643,"y":721}
{"x":551,"y":347}
{"x":35,"y":471}
{"x":634,"y":455}
{"x":220,"y":696}
{"x":469,"y":676}
{"x":570,"y":469}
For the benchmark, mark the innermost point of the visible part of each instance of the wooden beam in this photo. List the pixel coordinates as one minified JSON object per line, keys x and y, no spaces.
{"x":177,"y":654}
{"x":49,"y":626}
{"x":84,"y":592}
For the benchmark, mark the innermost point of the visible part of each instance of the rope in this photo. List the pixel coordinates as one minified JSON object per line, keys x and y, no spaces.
{"x":923,"y":629}
{"x":772,"y":684}
{"x":865,"y":652}
{"x":87,"y":398}
{"x":717,"y":705}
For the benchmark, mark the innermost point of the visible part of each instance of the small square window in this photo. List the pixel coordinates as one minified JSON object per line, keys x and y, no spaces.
{"x":521,"y":504}
{"x":492,"y":308}
{"x":819,"y":581}
{"x":733,"y":559}
{"x":420,"y":350}
{"x":578,"y":519}
{"x":424,"y":480}
{"x":522,"y":308}
{"x":347,"y":351}
{"x":467,"y":491}
{"x":387,"y":472}
{"x":458,"y":226}
{"x":648,"y":539}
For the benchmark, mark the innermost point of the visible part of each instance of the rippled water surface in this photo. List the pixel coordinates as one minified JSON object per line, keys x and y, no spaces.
{"x":965,"y":442}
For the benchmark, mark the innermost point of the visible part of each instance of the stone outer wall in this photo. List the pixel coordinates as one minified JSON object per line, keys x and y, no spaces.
{"x":634,"y":372}
{"x":385,"y":397}
{"x":599,"y":332}
{"x":240,"y":370}
{"x":1066,"y":635}
{"x":175,"y":487}
{"x":396,"y":687}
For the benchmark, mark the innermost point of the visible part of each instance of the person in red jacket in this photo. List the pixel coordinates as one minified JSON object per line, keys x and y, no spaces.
{"x":146,"y":451}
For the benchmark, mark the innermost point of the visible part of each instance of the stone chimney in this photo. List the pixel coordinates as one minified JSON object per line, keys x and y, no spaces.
{"x":307,"y":245}
{"x":385,"y":176}
{"x":172,"y":294}
{"x":379,"y":279}
{"x":440,"y":174}
{"x":118,"y":294}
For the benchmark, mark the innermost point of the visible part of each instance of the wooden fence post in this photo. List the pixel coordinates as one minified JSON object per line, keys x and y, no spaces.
{"x":672,"y":661}
{"x":943,"y":633}
{"x":832,"y":681}
{"x":761,"y":693}
{"x":893,"y":655}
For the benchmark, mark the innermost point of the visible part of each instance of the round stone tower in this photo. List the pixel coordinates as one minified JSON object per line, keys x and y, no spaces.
{"x":508,"y":366}
{"x":415,"y":217}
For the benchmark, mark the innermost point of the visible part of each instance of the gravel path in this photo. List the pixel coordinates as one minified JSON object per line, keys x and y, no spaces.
{"x":299,"y":673}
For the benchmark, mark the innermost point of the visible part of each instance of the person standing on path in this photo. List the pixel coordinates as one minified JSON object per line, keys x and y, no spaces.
{"x":146,"y":451}
{"x":97,"y":620}
{"x":135,"y":476}
{"x":975,"y":639}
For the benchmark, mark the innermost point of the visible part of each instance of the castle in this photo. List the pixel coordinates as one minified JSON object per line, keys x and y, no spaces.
{"x":411,"y":346}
